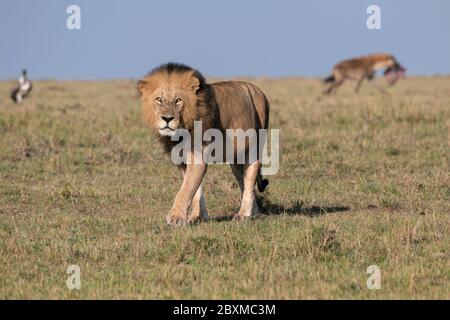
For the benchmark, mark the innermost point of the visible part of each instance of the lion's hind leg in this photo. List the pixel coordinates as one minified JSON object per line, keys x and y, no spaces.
{"x":248,"y":198}
{"x":238,"y":171}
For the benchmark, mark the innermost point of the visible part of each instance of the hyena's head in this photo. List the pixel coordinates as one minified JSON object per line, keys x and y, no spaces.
{"x":394,"y":71}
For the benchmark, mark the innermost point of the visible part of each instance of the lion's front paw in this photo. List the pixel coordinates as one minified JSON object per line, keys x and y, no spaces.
{"x":176,"y":218}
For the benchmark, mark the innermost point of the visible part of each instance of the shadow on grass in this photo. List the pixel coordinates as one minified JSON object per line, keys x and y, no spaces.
{"x":268,"y":208}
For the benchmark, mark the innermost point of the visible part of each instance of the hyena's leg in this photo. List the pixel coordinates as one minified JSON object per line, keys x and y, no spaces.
{"x":334,"y":86}
{"x":358,"y":85}
{"x":329,"y":89}
{"x":248,"y":200}
{"x":191,"y":183}
{"x":198,"y":206}
{"x":379,"y":88}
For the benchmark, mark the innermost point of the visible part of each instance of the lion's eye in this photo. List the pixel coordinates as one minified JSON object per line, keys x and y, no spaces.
{"x":178,"y":101}
{"x":158,"y":100}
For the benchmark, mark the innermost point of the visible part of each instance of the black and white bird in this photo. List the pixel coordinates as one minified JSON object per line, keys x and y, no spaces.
{"x":23,"y":88}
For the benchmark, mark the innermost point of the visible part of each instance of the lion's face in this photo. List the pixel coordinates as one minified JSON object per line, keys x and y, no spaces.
{"x":167,"y":106}
{"x":166,"y":102}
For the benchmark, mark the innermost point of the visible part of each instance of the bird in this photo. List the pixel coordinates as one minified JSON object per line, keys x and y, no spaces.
{"x":23,"y":88}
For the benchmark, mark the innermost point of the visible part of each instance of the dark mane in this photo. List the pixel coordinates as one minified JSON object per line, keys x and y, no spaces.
{"x":173,"y":67}
{"x":205,"y":109}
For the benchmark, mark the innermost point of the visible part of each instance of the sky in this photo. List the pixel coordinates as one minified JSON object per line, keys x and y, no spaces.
{"x":257,"y":38}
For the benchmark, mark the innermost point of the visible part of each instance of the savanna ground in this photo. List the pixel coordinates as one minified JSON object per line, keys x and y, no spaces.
{"x":364,"y":180}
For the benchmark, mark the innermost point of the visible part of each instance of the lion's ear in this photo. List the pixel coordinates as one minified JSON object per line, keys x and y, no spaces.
{"x":195,"y":84}
{"x":141,"y":85}
{"x":146,"y":85}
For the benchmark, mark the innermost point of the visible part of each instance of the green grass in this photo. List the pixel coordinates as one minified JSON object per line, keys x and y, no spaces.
{"x":363,"y":180}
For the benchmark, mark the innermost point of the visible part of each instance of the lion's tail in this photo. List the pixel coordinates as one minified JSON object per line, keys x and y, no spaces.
{"x":262,"y":183}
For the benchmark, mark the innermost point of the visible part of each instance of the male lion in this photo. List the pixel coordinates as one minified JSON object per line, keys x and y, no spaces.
{"x":173,"y":97}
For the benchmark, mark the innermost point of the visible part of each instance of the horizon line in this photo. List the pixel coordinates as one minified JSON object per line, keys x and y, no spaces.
{"x":210,"y":77}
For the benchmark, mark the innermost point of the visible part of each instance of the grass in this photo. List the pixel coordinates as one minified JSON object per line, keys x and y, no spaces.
{"x":363,"y":180}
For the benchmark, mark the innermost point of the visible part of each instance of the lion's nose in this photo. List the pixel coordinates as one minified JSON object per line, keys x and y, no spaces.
{"x":167,"y":118}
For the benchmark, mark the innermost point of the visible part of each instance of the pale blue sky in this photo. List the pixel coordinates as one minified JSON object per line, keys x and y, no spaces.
{"x":125,"y":39}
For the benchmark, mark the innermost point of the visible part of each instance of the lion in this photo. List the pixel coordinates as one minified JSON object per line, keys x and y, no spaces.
{"x":173,"y":97}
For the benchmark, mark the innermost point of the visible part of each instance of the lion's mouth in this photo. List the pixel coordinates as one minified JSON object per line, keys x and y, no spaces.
{"x":166,"y":131}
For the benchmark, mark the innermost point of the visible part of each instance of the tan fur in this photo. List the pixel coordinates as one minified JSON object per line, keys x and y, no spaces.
{"x":222,"y":105}
{"x":359,"y":69}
